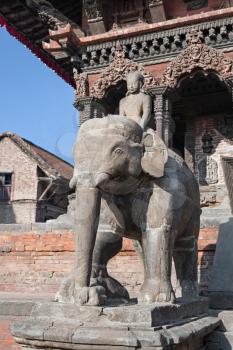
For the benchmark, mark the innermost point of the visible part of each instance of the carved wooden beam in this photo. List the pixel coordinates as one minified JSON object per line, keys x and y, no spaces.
{"x":63,"y":41}
{"x":95,"y":17}
{"x":157,"y":11}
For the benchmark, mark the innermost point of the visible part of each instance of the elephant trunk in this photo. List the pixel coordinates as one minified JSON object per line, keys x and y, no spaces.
{"x":88,"y":202}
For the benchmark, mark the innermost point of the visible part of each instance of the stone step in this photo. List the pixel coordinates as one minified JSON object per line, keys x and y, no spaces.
{"x":47,"y":334}
{"x":220,"y":341}
{"x":14,"y":305}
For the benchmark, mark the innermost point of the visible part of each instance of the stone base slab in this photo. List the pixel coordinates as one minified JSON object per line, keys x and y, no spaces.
{"x":220,"y":300}
{"x":153,"y":315}
{"x":65,"y":326}
{"x":48,"y":335}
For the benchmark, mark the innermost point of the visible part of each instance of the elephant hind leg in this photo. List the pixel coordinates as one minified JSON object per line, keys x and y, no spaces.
{"x":157,"y":252}
{"x":108,"y":244}
{"x":186,"y":258}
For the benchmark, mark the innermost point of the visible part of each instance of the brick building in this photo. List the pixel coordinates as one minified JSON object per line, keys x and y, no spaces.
{"x":34,"y":183}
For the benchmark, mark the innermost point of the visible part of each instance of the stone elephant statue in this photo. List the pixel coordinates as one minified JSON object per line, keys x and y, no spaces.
{"x":128,"y":184}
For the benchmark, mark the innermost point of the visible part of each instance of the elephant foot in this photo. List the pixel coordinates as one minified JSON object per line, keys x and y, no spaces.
{"x":113,"y":288}
{"x":153,"y":291}
{"x":65,"y":293}
{"x":166,"y":293}
{"x":189,"y":290}
{"x":92,"y":296}
{"x":70,"y":292}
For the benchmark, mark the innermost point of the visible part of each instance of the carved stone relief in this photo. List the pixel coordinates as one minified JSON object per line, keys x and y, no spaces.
{"x":208,"y":199}
{"x":197,"y":55}
{"x":208,"y":171}
{"x":117,"y":71}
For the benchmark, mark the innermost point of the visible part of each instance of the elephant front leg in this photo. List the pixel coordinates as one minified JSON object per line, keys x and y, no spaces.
{"x":157,"y":247}
{"x":77,"y":287}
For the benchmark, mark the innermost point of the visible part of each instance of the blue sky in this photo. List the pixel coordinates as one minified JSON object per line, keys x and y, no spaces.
{"x":35,"y":103}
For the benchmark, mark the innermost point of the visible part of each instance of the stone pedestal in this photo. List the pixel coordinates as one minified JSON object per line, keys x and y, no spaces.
{"x":127,"y":327}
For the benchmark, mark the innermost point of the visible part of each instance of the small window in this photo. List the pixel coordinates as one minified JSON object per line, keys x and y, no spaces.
{"x":5,"y":186}
{"x":196,"y":4}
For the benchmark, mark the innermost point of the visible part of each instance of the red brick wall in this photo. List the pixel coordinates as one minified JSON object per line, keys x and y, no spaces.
{"x":6,"y":340}
{"x":36,"y":262}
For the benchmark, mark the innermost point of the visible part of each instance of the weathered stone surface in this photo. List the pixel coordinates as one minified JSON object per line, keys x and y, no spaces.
{"x":100,"y":336}
{"x":87,"y":336}
{"x":127,"y":162}
{"x":136,"y":105}
{"x":16,"y":308}
{"x":58,"y":311}
{"x":222,"y":272}
{"x":34,"y":329}
{"x":221,"y":283}
{"x":146,"y":315}
{"x":221,"y":300}
{"x":220,"y":341}
{"x":227,"y":321}
{"x":158,"y":314}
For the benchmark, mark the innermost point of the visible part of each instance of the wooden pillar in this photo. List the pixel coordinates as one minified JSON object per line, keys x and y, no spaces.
{"x":162,"y":113}
{"x":85,"y":108}
{"x":89,"y":108}
{"x":167,"y":121}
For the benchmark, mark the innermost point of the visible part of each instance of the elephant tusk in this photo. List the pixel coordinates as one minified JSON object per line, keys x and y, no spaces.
{"x":102,"y":177}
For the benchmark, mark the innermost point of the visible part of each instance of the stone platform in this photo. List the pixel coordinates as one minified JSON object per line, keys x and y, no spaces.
{"x":123,"y":327}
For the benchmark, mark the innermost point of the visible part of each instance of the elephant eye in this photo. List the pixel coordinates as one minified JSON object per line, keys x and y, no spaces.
{"x":118,"y":151}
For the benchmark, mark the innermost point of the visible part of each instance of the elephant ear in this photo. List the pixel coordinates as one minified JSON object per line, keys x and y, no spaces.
{"x":155,"y":155}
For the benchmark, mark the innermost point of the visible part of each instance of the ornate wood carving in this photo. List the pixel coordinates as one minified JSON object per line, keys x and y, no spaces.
{"x":155,"y":2}
{"x":48,"y":14}
{"x":118,"y":71}
{"x":226,"y":3}
{"x":197,"y":55}
{"x":82,"y":85}
{"x":93,"y":9}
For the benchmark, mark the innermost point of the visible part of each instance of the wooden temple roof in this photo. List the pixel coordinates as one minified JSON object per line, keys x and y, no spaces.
{"x":22,"y":23}
{"x":81,"y":40}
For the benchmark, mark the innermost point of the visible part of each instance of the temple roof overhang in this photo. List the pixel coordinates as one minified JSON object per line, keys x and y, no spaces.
{"x":56,"y":32}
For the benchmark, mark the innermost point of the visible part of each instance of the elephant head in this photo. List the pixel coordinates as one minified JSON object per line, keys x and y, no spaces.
{"x":111,"y":154}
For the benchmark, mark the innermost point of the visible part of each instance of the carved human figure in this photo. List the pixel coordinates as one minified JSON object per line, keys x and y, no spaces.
{"x":136,"y":105}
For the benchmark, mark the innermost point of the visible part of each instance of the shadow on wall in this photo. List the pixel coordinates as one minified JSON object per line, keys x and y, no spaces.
{"x":221,"y":279}
{"x":220,"y":289}
{"x":216,"y":261}
{"x":206,"y":257}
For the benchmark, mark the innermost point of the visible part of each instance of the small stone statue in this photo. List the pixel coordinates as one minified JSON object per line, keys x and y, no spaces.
{"x":136,"y":105}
